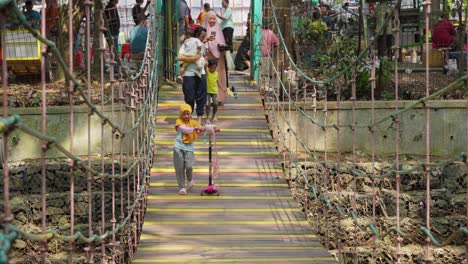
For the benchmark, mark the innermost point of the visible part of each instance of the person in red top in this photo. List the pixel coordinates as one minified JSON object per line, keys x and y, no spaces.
{"x":52,"y":16}
{"x":269,"y":42}
{"x":192,"y":24}
{"x":201,"y":16}
{"x":442,"y":37}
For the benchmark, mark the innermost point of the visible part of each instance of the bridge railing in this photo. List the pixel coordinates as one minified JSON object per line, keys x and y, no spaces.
{"x":369,"y":194}
{"x":79,"y":207}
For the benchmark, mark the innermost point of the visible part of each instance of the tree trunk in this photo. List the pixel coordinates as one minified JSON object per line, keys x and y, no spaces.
{"x":435,"y":12}
{"x":284,"y":20}
{"x":96,"y":24}
{"x":58,"y":71}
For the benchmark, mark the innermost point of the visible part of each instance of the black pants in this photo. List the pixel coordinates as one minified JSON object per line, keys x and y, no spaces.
{"x":194,"y":89}
{"x":384,"y":44}
{"x":228,"y":33}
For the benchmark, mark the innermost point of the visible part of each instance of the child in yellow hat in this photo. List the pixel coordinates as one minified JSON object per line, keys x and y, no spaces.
{"x":187,"y":132}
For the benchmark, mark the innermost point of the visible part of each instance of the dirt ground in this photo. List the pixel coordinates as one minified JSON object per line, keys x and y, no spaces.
{"x":413,"y":85}
{"x":25,"y":91}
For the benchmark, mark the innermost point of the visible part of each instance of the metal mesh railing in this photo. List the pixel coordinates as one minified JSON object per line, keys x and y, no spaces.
{"x":91,"y":197}
{"x":371,"y":189}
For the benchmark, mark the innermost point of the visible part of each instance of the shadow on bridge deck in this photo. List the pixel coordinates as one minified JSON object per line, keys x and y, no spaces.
{"x":254,"y":220}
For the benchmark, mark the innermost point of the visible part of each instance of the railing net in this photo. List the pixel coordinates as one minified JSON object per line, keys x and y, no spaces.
{"x":105,"y":197}
{"x":368,"y":203}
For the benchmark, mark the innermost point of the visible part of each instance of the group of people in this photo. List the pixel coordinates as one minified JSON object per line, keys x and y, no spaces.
{"x":203,"y":72}
{"x":203,"y":77}
{"x":269,"y":42}
{"x":138,"y":35}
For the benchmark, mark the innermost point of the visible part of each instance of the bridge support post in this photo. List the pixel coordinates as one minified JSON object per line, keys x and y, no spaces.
{"x":256,"y":48}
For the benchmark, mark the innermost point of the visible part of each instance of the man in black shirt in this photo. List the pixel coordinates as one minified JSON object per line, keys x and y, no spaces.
{"x":138,"y":10}
{"x":242,"y":59}
{"x":113,"y":23}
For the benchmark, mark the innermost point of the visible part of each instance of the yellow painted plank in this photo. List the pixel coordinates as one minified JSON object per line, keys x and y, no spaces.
{"x":229,"y":236}
{"x":234,"y":260}
{"x":222,"y":197}
{"x":228,"y":184}
{"x":238,"y":130}
{"x":224,"y":143}
{"x":227,"y":222}
{"x":179,"y":92}
{"x":176,"y":104}
{"x":222,"y":153}
{"x":223,"y":210}
{"x":174,"y":116}
{"x":222,"y":169}
{"x":218,"y":249}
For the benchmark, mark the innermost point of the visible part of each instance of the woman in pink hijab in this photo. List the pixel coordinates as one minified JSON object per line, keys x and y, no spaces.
{"x":213,"y":29}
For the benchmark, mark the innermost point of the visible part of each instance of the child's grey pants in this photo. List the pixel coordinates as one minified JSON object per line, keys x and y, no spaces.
{"x":183,"y":164}
{"x":213,"y":97}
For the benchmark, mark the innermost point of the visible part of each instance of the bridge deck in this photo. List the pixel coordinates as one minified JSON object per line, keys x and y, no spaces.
{"x":254,"y":220}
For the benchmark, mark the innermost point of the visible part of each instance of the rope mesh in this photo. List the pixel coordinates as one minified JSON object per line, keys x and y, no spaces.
{"x":327,"y":179}
{"x":116,"y":171}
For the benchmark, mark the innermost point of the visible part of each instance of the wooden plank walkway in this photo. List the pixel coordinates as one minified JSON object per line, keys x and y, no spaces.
{"x":254,"y":220}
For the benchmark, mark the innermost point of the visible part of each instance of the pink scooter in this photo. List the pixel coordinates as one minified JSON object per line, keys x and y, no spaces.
{"x":211,"y":189}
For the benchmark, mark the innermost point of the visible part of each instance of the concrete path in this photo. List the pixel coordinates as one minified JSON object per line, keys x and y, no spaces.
{"x":254,"y":220}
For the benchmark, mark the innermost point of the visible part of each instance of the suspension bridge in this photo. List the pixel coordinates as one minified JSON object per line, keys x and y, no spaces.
{"x":311,"y":167}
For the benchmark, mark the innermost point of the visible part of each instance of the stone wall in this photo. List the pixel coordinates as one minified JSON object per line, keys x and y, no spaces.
{"x":448,"y":209}
{"x":25,"y":204}
{"x":23,"y":146}
{"x":447,"y":128}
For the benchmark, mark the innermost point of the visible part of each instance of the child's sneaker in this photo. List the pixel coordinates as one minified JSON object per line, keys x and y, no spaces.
{"x":179,"y":80}
{"x":191,"y":184}
{"x":182,"y":191}
{"x":215,"y":119}
{"x":229,"y":92}
{"x":234,"y":92}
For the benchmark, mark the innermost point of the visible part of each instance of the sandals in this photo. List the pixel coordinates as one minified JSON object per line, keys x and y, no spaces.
{"x":182,"y":191}
{"x":191,"y":184}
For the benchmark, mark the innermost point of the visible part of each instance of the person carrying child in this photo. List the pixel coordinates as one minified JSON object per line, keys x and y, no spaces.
{"x":191,"y":47}
{"x":212,"y":86}
{"x":187,"y":132}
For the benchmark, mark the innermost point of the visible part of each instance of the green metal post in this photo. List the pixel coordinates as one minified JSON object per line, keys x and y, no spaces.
{"x":159,"y":8}
{"x":175,"y":35}
{"x":256,"y":43}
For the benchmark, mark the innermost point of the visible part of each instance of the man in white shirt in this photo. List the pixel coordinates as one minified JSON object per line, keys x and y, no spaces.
{"x":227,"y":25}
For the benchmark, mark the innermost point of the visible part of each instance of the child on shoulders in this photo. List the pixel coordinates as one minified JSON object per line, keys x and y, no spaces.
{"x":192,"y":46}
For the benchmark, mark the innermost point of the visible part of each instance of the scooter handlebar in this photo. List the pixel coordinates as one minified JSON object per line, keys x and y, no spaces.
{"x":211,"y":128}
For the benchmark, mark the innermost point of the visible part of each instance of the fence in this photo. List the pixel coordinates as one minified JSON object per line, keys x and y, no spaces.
{"x":369,"y":200}
{"x":75,"y":205}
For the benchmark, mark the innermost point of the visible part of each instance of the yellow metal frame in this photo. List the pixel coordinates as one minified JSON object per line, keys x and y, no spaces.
{"x":38,"y":46}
